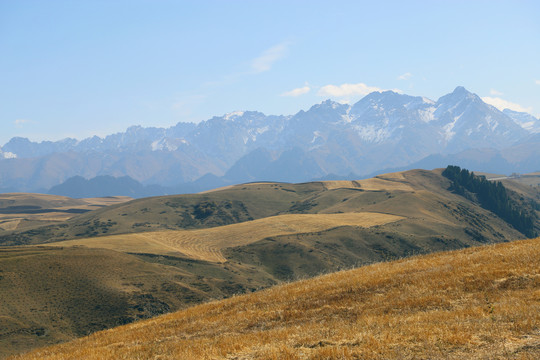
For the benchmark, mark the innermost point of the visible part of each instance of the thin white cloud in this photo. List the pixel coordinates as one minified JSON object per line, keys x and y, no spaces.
{"x":405,"y":76}
{"x":20,"y":122}
{"x":348,"y":90}
{"x":297,"y":91}
{"x":191,"y":100}
{"x":265,"y":61}
{"x":502,"y":104}
{"x":537,"y":82}
{"x":495,"y":92}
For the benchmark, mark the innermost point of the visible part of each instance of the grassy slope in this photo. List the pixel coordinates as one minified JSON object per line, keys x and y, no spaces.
{"x":206,"y":244}
{"x":420,"y":196}
{"x":531,"y":180}
{"x":260,"y":253}
{"x":481,"y":303}
{"x":51,"y":209}
{"x":51,"y":295}
{"x":229,"y":206}
{"x":434,"y":220}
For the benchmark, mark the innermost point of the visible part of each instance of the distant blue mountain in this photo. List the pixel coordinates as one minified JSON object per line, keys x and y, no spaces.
{"x":384,"y":130}
{"x":101,"y":186}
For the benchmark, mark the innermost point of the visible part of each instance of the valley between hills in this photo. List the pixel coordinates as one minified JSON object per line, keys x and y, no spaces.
{"x":71,"y":267}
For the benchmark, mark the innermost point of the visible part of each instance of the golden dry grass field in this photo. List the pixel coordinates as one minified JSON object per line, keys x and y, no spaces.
{"x":25,"y":210}
{"x":206,"y":244}
{"x":532,"y":179}
{"x":481,"y":303}
{"x":422,"y":197}
{"x":229,"y":241}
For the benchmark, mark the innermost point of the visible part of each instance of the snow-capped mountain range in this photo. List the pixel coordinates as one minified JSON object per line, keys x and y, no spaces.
{"x":382,"y":130}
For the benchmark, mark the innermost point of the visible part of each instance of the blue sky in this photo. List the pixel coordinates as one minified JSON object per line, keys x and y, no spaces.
{"x":79,"y":68}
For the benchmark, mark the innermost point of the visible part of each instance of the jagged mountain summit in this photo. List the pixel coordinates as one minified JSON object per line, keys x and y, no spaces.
{"x":382,"y":130}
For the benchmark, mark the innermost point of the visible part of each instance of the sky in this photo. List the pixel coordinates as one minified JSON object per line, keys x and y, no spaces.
{"x":83,"y":68}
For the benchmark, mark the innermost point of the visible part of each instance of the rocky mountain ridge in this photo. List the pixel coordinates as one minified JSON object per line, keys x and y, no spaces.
{"x":383,"y":130}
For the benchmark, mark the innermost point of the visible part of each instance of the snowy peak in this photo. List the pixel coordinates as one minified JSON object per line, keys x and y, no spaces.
{"x":466,"y":121}
{"x":318,"y":116}
{"x":233,"y":115}
{"x":461,"y":94}
{"x":22,"y":147}
{"x":461,"y":91}
{"x":525,"y":120}
{"x":457,"y":101}
{"x":382,"y":130}
{"x":330,"y":106}
{"x":456,"y":121}
{"x":388,"y":101}
{"x":236,"y":118}
{"x":7,"y":155}
{"x":381,"y":116}
{"x":168,"y":144}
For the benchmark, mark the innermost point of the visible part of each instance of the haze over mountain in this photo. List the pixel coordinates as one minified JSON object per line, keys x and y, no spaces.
{"x":384,"y":130}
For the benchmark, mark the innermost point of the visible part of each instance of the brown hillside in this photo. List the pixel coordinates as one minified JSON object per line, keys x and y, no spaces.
{"x":23,"y":211}
{"x":481,"y":303}
{"x":422,"y":197}
{"x":231,"y":241}
{"x":206,"y":244}
{"x":51,"y":295}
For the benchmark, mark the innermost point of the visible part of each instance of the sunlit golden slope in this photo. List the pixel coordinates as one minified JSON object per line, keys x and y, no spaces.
{"x":206,"y":244}
{"x":481,"y":303}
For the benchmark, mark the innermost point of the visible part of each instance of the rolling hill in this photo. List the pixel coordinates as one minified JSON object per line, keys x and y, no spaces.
{"x":207,"y":244}
{"x":22,"y":211}
{"x":160,"y":254}
{"x":481,"y":303}
{"x":422,"y":197}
